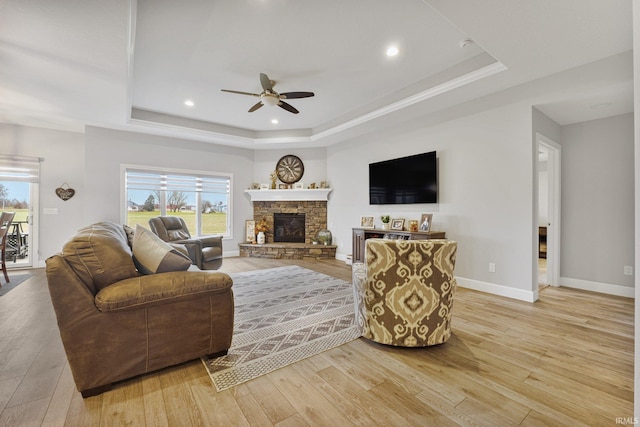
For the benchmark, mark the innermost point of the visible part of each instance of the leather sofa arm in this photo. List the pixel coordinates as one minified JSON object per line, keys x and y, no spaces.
{"x":210,"y":241}
{"x":163,"y":288}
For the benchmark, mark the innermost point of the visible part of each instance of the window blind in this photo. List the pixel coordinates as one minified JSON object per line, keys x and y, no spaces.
{"x":18,"y":168}
{"x":156,"y":181}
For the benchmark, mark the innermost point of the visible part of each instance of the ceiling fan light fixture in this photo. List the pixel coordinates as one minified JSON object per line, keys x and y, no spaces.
{"x":270,"y":99}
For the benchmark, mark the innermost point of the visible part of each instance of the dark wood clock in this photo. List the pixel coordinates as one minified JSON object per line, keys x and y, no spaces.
{"x":290,"y":169}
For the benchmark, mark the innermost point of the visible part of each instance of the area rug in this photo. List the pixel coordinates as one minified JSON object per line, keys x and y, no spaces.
{"x":283,"y":315}
{"x":15,"y":280}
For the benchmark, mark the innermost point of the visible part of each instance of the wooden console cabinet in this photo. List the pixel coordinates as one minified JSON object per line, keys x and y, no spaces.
{"x":360,"y":235}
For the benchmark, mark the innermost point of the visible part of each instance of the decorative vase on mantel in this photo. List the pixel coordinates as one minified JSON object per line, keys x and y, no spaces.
{"x":261,"y":238}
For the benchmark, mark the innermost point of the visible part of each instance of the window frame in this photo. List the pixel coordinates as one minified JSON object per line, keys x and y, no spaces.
{"x":184,"y":172}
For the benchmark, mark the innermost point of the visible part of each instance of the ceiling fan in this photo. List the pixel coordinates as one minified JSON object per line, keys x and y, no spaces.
{"x":270,"y":97}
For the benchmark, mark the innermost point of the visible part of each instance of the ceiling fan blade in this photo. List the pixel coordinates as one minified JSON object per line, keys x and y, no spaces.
{"x":255,"y":107}
{"x":287,"y":107}
{"x":266,"y":83}
{"x":294,"y":95}
{"x":241,"y":93}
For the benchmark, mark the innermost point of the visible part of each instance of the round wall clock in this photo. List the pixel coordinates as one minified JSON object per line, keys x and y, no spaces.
{"x":290,"y":169}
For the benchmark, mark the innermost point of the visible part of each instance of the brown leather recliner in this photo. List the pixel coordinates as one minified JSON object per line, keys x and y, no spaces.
{"x":205,"y":252}
{"x":116,"y":323}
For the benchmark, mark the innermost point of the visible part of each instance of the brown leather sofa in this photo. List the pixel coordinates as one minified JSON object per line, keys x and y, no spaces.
{"x":205,"y":252}
{"x":116,"y":323}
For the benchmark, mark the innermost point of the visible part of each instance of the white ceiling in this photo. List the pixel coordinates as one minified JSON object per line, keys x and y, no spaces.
{"x":132,"y":64}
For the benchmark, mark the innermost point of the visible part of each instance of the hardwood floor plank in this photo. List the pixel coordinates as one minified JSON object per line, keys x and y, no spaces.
{"x":155,"y":412}
{"x":565,"y":360}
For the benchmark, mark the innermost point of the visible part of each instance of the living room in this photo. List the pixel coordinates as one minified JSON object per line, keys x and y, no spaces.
{"x":487,"y":161}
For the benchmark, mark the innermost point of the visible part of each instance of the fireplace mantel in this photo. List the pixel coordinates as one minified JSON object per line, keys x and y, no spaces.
{"x":308,"y":194}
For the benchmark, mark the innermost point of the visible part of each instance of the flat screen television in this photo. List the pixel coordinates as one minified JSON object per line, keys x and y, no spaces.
{"x":406,"y":180}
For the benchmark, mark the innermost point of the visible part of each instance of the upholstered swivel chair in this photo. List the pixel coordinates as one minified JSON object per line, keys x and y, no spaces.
{"x":205,"y":252}
{"x":6,"y":218}
{"x":404,"y":291}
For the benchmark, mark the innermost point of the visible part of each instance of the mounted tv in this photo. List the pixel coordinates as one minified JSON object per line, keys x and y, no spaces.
{"x":406,"y":180}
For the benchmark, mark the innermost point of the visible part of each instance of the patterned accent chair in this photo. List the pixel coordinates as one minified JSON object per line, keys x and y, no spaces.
{"x":403,"y":292}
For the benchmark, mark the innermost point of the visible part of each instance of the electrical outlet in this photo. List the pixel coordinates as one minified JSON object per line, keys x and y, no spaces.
{"x":492,"y":267}
{"x":628,"y":270}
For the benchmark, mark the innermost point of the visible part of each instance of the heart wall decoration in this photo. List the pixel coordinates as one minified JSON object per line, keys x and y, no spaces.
{"x":65,"y":192}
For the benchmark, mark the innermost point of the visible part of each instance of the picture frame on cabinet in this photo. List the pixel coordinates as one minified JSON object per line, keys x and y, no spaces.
{"x":397,"y":224}
{"x":425,"y":221}
{"x":366,"y":222}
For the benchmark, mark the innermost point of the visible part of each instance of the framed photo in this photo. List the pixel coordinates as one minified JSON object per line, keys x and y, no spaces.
{"x":298,"y":185}
{"x":250,"y":229}
{"x":366,"y":222}
{"x":397,"y":224}
{"x":425,"y":222}
{"x":264,"y":186}
{"x":283,"y":186}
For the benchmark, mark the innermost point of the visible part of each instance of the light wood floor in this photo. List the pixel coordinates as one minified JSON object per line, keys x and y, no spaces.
{"x":564,"y":360}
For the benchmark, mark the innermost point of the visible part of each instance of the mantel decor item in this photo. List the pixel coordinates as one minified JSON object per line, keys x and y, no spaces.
{"x":290,"y":169}
{"x":261,"y":228}
{"x":65,"y":192}
{"x":385,"y":221}
{"x":324,"y":237}
{"x":250,"y":226}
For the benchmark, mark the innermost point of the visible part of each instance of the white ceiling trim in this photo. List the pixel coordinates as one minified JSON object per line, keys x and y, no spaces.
{"x":237,"y":140}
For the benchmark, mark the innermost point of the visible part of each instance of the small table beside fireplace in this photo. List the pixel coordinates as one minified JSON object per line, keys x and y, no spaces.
{"x":360,"y":235}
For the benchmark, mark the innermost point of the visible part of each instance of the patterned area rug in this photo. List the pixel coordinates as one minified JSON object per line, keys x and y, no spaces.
{"x":283,"y":315}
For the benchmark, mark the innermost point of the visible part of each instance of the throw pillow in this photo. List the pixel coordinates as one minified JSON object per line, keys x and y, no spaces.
{"x":130,"y":233}
{"x":152,"y":255}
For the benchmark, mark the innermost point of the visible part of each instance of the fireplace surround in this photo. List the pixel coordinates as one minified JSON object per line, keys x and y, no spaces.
{"x":315,"y":219}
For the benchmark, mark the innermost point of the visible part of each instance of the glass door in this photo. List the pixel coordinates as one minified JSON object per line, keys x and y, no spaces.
{"x":15,"y":196}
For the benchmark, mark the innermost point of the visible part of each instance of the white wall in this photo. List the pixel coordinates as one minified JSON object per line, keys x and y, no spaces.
{"x":63,"y":162}
{"x":485,"y":192}
{"x":314,"y":159}
{"x":597,"y":203}
{"x":107,"y":150}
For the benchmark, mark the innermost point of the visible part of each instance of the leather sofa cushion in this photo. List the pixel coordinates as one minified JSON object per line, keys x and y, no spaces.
{"x":100,"y":255}
{"x":158,"y":289}
{"x":152,"y":255}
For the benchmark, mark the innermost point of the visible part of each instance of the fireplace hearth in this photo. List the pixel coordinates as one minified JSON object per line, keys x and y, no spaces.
{"x":289,"y":227}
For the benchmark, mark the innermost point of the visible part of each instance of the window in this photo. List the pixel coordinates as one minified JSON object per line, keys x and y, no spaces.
{"x":202,"y":199}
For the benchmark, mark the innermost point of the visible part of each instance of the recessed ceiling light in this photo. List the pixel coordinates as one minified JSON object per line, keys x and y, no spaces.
{"x":392,"y":51}
{"x":465,"y":43}
{"x":274,"y":121}
{"x":600,"y":106}
{"x":189,"y":103}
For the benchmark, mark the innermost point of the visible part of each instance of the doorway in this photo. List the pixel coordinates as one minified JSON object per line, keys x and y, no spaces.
{"x":548,"y":236}
{"x":17,"y":196}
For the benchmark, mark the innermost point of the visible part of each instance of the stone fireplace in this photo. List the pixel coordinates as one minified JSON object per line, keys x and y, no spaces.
{"x":314,"y":212}
{"x":294,"y":217}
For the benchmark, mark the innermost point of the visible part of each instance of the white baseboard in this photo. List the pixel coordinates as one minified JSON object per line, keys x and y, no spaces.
{"x":229,"y":254}
{"x":603,"y":288}
{"x":492,"y":288}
